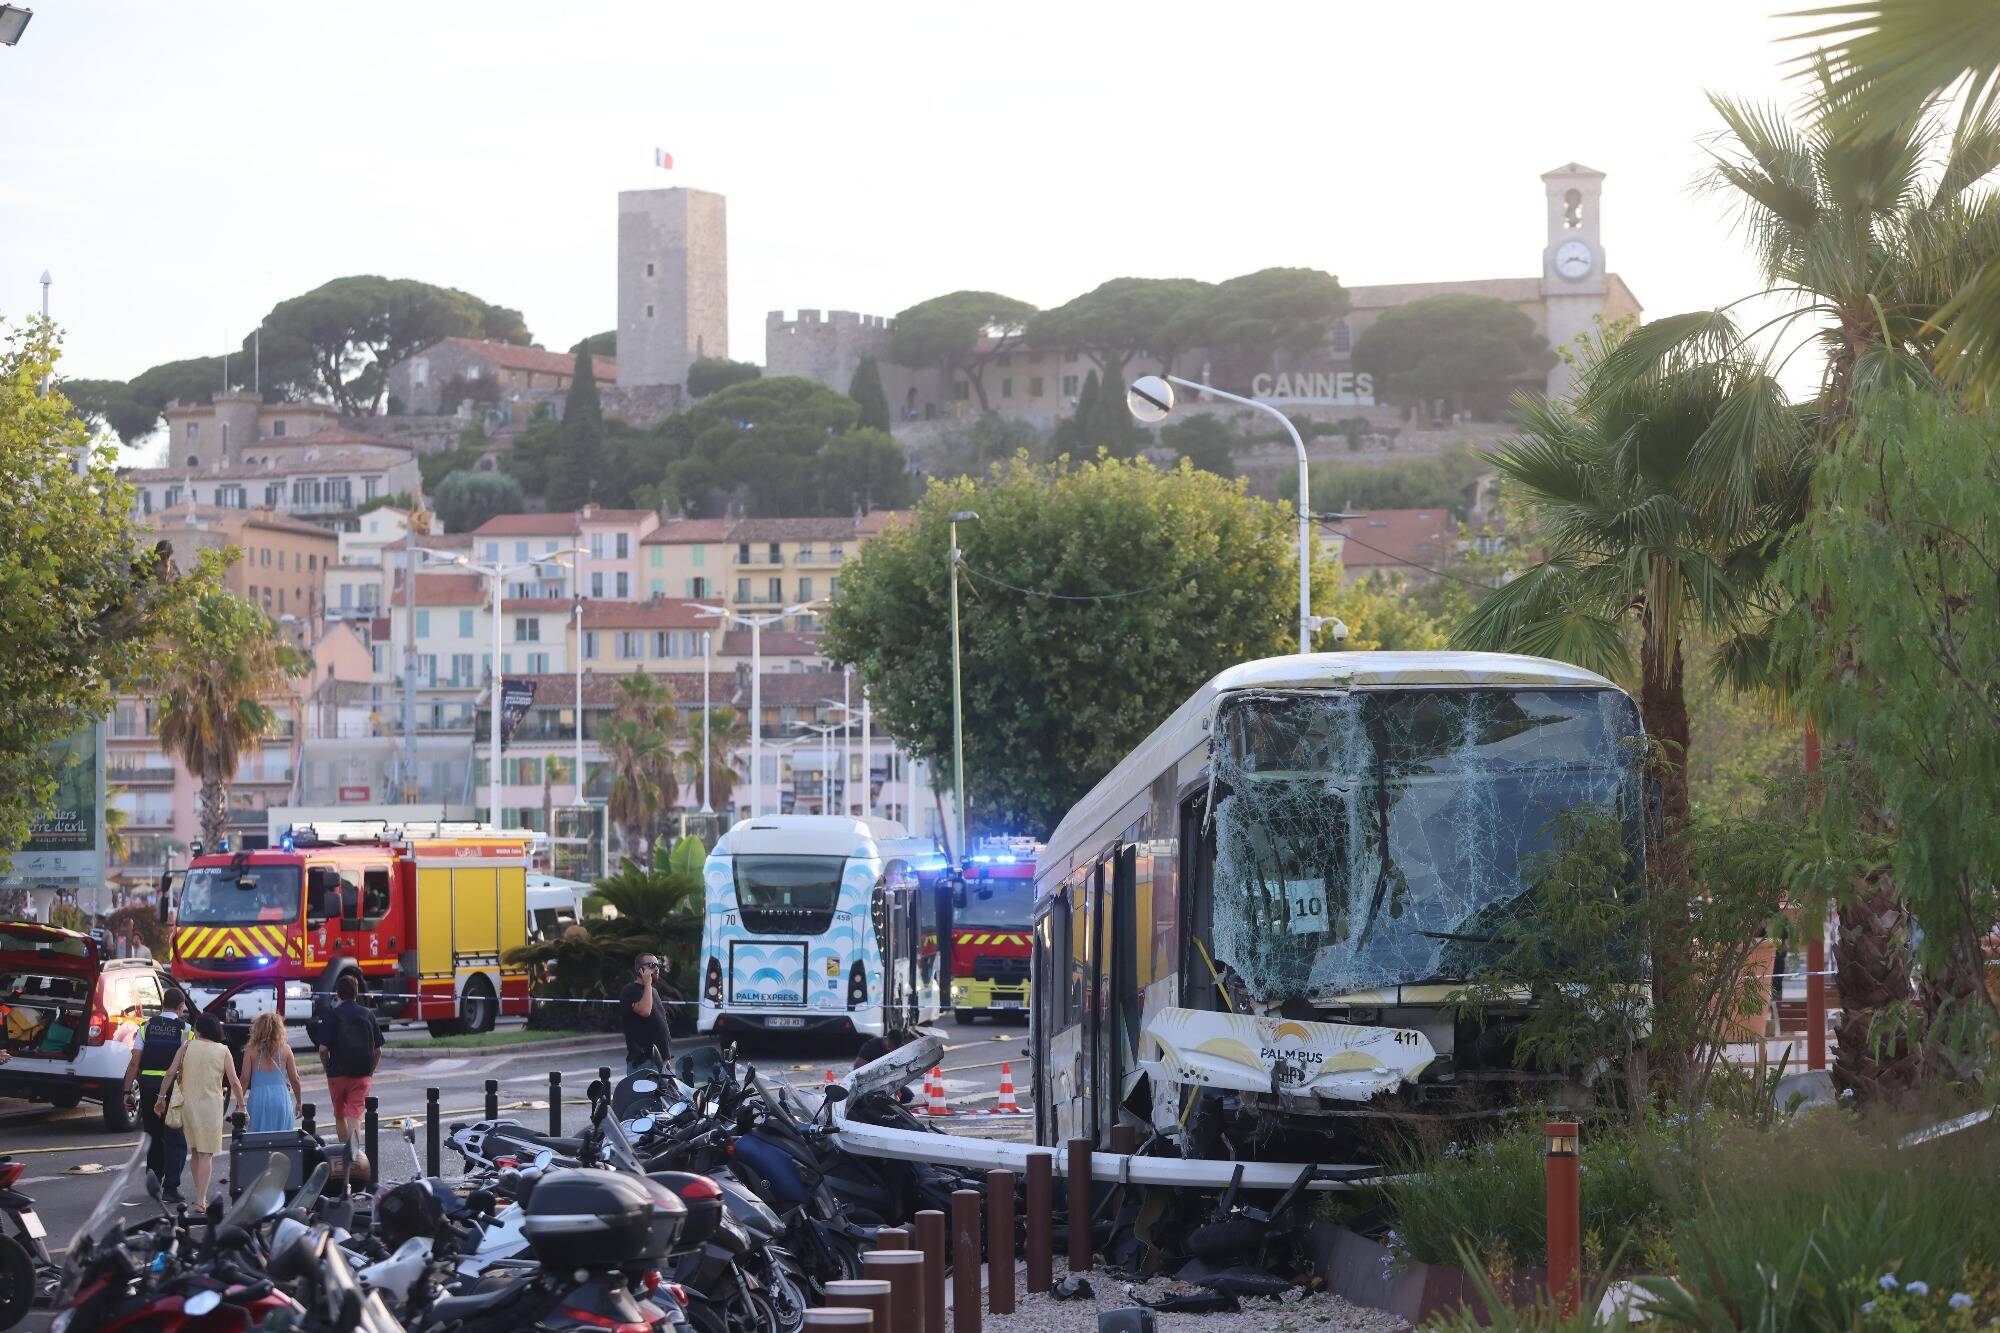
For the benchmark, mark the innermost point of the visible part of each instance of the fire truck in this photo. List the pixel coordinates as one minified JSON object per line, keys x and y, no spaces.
{"x":992,"y":930}
{"x":422,"y":914}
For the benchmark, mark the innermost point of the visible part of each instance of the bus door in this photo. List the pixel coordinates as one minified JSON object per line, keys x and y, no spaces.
{"x":1118,"y":1008}
{"x":1062,"y":939}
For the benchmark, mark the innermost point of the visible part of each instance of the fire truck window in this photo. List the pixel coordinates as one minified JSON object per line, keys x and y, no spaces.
{"x":375,"y":892}
{"x":350,"y":893}
{"x":323,"y":893}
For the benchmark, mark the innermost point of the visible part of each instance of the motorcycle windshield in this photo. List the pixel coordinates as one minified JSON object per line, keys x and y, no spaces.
{"x":619,"y":1147}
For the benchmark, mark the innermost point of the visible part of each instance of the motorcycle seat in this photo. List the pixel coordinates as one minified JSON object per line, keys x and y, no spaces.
{"x":472,"y":1304}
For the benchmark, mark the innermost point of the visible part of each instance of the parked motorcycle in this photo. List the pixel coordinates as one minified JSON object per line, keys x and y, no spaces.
{"x":29,"y":1276}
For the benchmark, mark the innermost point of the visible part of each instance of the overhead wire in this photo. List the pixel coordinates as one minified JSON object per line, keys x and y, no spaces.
{"x":1066,"y":596}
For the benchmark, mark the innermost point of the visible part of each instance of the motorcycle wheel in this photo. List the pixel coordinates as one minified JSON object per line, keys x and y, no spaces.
{"x":705,"y":1318}
{"x":764,"y":1316}
{"x":17,"y":1282}
{"x":787,"y":1304}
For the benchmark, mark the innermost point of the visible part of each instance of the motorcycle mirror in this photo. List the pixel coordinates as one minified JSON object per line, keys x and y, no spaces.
{"x":543,"y":1158}
{"x":836,"y":1092}
{"x":643,"y":1125}
{"x":202,"y":1303}
{"x":645,"y":1085}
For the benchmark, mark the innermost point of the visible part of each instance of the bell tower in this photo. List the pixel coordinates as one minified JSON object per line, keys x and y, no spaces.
{"x":1572,"y":260}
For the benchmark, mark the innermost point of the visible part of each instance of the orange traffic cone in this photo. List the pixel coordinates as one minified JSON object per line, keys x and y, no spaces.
{"x":1006,"y":1105}
{"x":829,"y":1073}
{"x":934,"y":1093}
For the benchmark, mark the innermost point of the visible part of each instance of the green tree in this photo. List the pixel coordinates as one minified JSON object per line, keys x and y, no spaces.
{"x":1110,"y":425}
{"x":400,"y":500}
{"x":1378,"y":611}
{"x":576,"y":476}
{"x":603,"y":344}
{"x":971,"y":447}
{"x":1141,"y":585}
{"x":961,"y":333}
{"x":464,"y":500}
{"x":1204,"y":441}
{"x":1072,"y":431}
{"x":777,"y":445}
{"x":727,"y":733}
{"x":1440,"y":482}
{"x":640,"y":741}
{"x":85,"y":608}
{"x":1248,"y":320}
{"x":861,"y":470}
{"x":713,"y":374}
{"x":1117,"y":320}
{"x":1903,"y":665}
{"x":338,"y":340}
{"x":866,"y":390}
{"x":1472,"y":351}
{"x":228,"y":662}
{"x":472,"y":446}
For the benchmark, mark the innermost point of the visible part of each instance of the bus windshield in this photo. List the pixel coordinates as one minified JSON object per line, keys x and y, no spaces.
{"x":240,"y":895}
{"x":1376,"y":838}
{"x":996,"y":902}
{"x":788,"y":895}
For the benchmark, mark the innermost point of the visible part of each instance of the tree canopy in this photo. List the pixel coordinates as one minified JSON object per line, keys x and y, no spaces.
{"x":464,"y":500}
{"x":960,"y":333}
{"x":1205,"y":441}
{"x":785,"y":446}
{"x":1246,"y":321}
{"x":1195,"y":576}
{"x":866,"y":391}
{"x":1117,"y":320}
{"x":713,"y":374}
{"x":86,"y":609}
{"x":577,"y":478}
{"x":603,"y":344}
{"x":1472,"y":351}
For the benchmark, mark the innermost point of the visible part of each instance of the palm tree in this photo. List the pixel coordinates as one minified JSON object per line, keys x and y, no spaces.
{"x":639,"y":739}
{"x":116,"y":817}
{"x":727,"y":734}
{"x":212,"y":695}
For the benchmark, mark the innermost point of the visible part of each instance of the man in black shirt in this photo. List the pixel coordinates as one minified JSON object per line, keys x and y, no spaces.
{"x":159,"y":1042}
{"x":644,"y":1015}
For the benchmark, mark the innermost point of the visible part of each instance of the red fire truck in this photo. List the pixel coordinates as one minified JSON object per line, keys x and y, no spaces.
{"x":422,"y":914}
{"x":992,"y":929}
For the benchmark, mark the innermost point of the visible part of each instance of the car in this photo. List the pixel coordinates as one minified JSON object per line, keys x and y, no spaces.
{"x":69,"y":1018}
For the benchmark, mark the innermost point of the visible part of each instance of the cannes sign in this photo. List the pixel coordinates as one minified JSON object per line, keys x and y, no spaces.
{"x":1342,"y":388}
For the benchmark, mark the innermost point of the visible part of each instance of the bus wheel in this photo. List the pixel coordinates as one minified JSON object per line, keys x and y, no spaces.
{"x":445,"y":1027}
{"x":477,"y":1008}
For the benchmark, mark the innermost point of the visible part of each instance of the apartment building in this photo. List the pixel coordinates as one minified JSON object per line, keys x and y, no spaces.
{"x":284,"y":561}
{"x":687,"y":557}
{"x":610,"y":541}
{"x":757,"y":566}
{"x":324,"y":478}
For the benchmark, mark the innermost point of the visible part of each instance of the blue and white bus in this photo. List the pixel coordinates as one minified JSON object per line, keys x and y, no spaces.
{"x":816,"y":923}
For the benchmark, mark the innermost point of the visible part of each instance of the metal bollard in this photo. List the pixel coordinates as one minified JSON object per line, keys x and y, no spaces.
{"x":1124,"y":1142}
{"x":236,"y":1123}
{"x":1565,"y":1213}
{"x":840,"y":1316}
{"x":931,"y":1232}
{"x":604,"y":1077}
{"x":307,"y":1118}
{"x":903,"y":1270}
{"x":871,"y":1294}
{"x":965,"y":1261}
{"x":492,"y":1099}
{"x":1079,"y":1206}
{"x":892,"y":1238}
{"x":1041,"y":1215}
{"x":1000,"y":1242}
{"x":371,"y":1135}
{"x":555,"y":1102}
{"x":433,"y":1145}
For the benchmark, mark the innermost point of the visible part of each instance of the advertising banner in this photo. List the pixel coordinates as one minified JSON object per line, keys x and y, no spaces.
{"x":65,"y":844}
{"x":516,"y":698}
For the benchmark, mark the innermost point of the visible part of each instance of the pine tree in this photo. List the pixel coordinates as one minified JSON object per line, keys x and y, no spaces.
{"x":571,"y":485}
{"x":867,"y":391}
{"x":1110,"y":422}
{"x":1073,"y":433}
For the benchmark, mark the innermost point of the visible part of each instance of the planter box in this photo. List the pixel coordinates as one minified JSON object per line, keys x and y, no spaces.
{"x":1352,"y":1266}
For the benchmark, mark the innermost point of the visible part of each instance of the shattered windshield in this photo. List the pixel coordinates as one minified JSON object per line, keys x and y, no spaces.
{"x":1376,"y":838}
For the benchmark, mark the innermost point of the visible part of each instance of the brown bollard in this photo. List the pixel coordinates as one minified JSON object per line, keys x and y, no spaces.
{"x":1079,"y":1206}
{"x":1000,"y":1242}
{"x":866,"y":1293}
{"x":1124,"y":1142}
{"x":1565,"y":1215}
{"x":892,"y":1238}
{"x":1041,"y":1221}
{"x":850,"y":1317}
{"x":965,"y":1261}
{"x":931,"y":1229}
{"x":903,"y":1270}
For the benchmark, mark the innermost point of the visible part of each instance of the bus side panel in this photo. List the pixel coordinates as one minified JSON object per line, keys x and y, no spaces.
{"x":475,"y":912}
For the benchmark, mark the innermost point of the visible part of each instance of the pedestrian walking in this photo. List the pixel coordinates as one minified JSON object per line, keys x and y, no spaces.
{"x":644,"y":1015}
{"x":272,"y":1076}
{"x":202,"y":1071}
{"x":159,"y":1042}
{"x":350,"y":1045}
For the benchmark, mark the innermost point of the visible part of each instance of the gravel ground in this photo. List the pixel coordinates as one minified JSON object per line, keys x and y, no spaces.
{"x":1295,"y":1314}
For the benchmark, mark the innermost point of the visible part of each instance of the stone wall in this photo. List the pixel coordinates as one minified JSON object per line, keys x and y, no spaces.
{"x":673,"y":284}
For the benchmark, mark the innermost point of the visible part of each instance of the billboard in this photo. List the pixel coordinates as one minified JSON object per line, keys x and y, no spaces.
{"x":65,"y":844}
{"x":516,"y":698}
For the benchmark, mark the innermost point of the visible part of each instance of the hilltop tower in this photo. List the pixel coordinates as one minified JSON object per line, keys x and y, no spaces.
{"x":673,"y":284}
{"x":1573,"y":272}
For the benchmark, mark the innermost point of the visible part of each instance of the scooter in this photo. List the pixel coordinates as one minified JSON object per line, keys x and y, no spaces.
{"x":29,"y":1275}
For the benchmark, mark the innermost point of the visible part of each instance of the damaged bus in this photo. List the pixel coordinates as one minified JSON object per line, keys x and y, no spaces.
{"x":1251,"y":932}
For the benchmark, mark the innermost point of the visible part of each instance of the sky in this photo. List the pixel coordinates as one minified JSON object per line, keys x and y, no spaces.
{"x":179,"y":167}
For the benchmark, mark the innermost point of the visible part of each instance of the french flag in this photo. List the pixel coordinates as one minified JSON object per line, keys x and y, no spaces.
{"x":663,"y":159}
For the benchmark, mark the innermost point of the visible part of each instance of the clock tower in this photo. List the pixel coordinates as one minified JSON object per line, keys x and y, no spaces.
{"x":1573,"y":273}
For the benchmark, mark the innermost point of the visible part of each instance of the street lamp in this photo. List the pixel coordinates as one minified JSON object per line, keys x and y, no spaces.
{"x":756,"y":624}
{"x":498,"y":573}
{"x":957,"y":696}
{"x":707,"y":637}
{"x":824,"y":730}
{"x":13,"y":21}
{"x":1151,"y":398}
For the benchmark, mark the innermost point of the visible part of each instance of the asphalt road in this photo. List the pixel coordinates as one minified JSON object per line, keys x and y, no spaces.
{"x":69,"y":1152}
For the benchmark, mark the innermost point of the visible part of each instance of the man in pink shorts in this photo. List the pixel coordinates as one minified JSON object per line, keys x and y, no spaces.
{"x":350,"y":1044}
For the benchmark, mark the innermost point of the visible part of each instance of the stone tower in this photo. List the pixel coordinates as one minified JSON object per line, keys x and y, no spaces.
{"x":1573,"y":269}
{"x":673,"y":284}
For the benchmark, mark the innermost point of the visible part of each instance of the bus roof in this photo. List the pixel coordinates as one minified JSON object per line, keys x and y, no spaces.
{"x":1188,"y":727}
{"x":824,"y":835}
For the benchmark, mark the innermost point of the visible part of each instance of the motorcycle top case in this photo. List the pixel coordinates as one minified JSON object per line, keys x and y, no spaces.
{"x":600,"y":1219}
{"x":704,"y":1213}
{"x":776,"y":1165}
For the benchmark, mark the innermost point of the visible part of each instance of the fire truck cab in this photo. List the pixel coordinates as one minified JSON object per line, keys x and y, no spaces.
{"x":992,"y":930}
{"x":422,"y":914}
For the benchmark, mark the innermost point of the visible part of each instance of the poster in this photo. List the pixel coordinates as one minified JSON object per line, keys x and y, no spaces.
{"x":516,"y":698}
{"x":65,"y":844}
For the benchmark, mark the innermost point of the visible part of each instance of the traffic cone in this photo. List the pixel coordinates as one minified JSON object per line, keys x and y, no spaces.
{"x":934,"y":1092}
{"x":1006,"y":1105}
{"x":829,"y":1073}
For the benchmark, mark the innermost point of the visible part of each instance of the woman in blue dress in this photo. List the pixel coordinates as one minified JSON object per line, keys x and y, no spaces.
{"x":272,"y":1077}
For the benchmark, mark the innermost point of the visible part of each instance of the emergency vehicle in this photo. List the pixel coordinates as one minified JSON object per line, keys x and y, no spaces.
{"x":992,"y":930}
{"x":423,"y":914}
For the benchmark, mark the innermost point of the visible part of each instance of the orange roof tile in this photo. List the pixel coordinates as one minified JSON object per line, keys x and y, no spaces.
{"x":509,"y":356}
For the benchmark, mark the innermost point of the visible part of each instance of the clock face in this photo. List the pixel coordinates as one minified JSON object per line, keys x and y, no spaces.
{"x":1574,"y":259}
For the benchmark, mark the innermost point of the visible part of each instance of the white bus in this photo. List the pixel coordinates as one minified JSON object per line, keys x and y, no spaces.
{"x":816,"y":924}
{"x":1255,"y":925}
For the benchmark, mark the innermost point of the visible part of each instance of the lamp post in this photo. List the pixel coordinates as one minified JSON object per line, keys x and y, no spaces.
{"x":1151,"y":398}
{"x":498,"y":573}
{"x":756,"y":624}
{"x":706,"y":638}
{"x":957,"y":699}
{"x":824,"y":730}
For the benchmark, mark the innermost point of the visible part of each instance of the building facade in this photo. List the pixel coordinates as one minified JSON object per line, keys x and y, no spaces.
{"x":673,"y":284}
{"x":439,"y":379}
{"x":324,"y":478}
{"x":283,"y":562}
{"x":219,"y":431}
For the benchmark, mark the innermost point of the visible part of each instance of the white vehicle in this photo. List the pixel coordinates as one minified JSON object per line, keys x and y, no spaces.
{"x":816,"y":924}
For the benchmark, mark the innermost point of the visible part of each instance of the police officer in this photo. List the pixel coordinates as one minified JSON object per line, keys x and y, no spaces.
{"x":166,"y":1147}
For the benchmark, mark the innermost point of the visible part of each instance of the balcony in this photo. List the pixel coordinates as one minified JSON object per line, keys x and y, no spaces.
{"x":157,"y":816}
{"x":820,"y":560}
{"x":140,"y":777}
{"x":757,"y":560}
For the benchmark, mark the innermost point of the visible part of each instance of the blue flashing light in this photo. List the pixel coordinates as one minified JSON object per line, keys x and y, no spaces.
{"x":1003,"y":860}
{"x":263,"y":962}
{"x":222,"y":846}
{"x":287,"y":843}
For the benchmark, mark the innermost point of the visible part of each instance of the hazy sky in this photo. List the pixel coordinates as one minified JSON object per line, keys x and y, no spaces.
{"x":181,"y":165}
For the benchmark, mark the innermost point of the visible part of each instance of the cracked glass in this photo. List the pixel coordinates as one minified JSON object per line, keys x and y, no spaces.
{"x":1376,"y":839}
